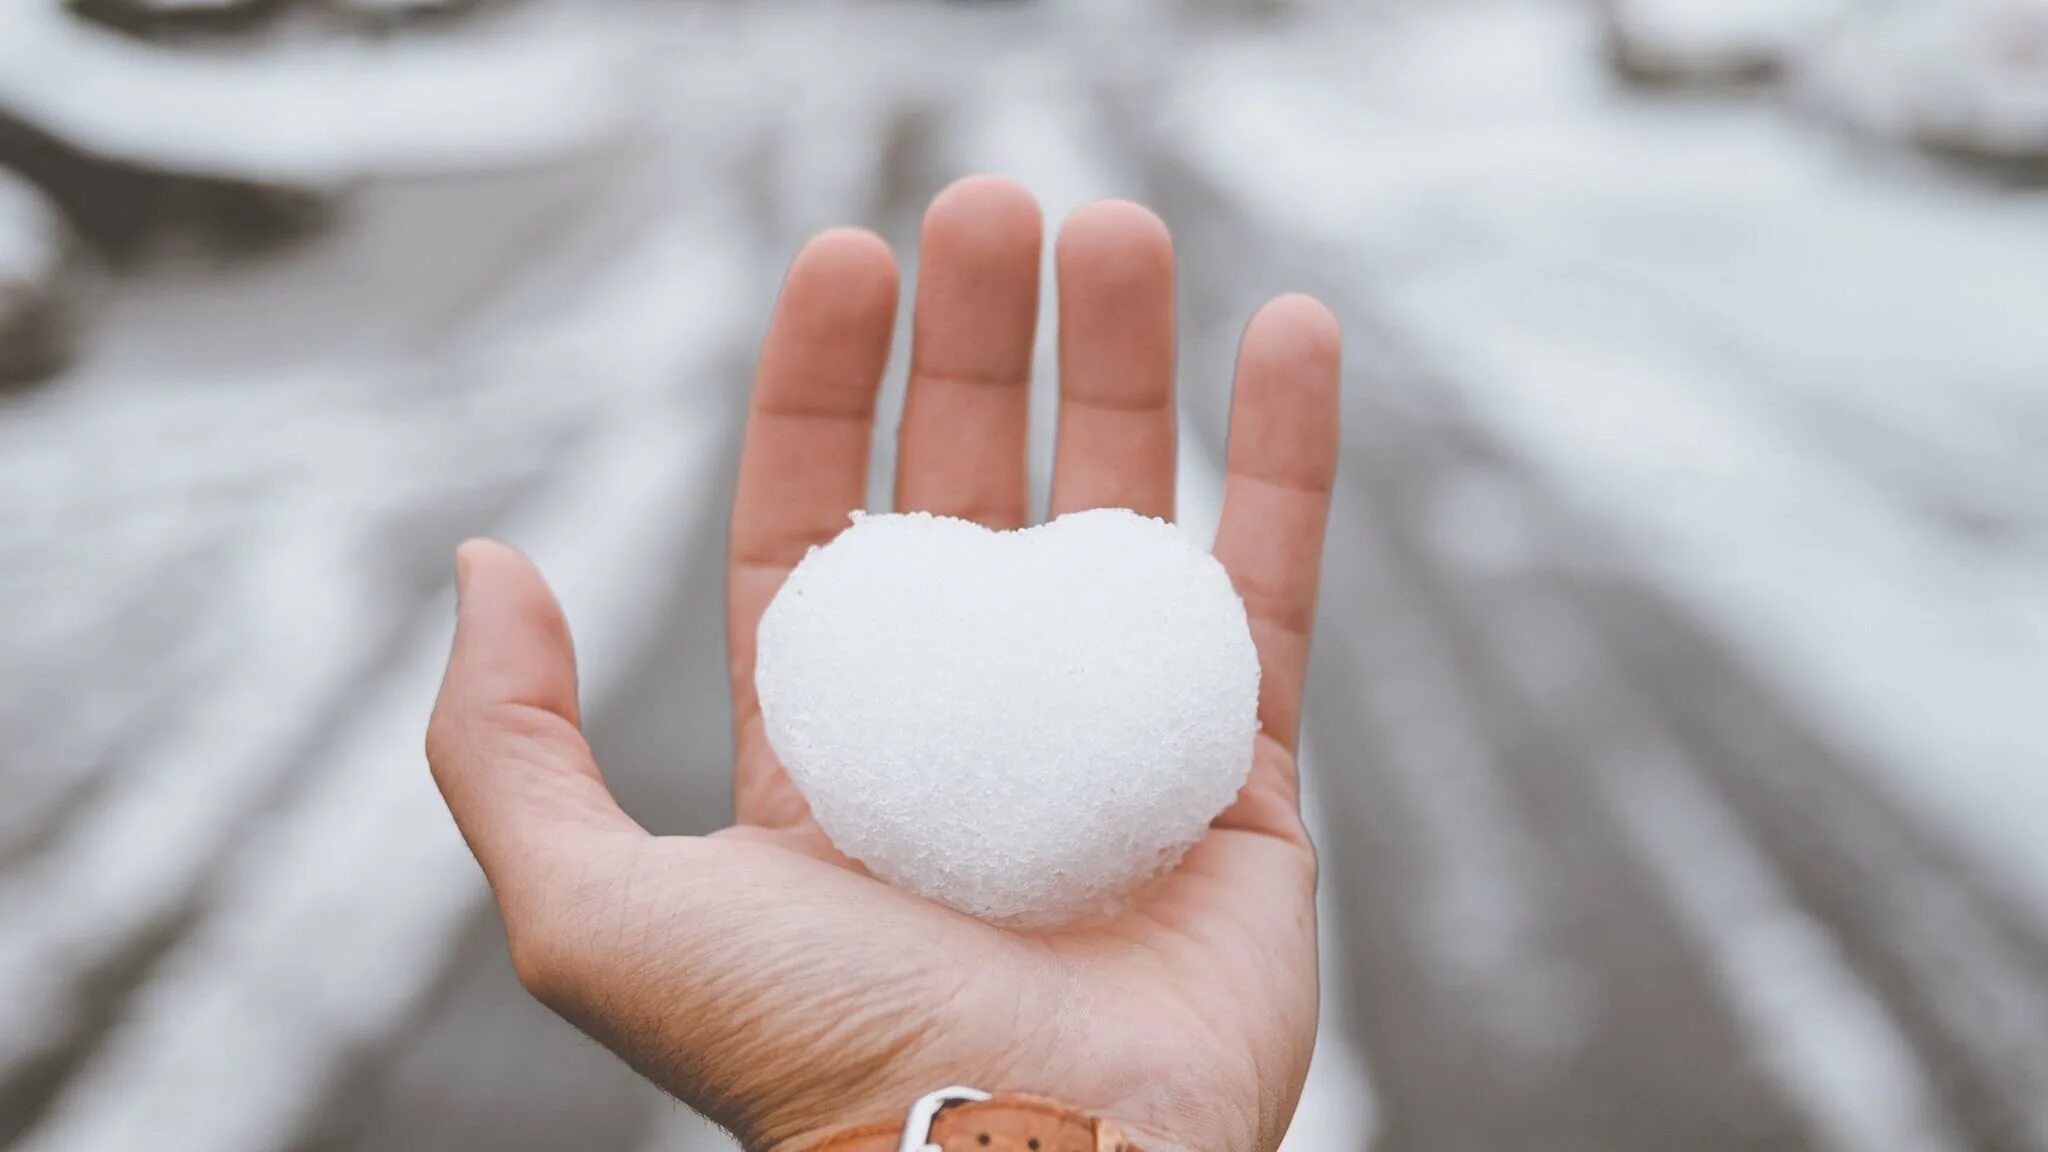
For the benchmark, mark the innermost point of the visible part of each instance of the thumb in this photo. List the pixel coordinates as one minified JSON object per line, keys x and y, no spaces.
{"x":504,"y":742}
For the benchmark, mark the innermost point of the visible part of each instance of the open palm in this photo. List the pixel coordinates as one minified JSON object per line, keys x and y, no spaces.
{"x":761,"y":976}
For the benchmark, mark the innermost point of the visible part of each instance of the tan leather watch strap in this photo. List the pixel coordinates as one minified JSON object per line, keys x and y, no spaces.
{"x":1004,"y":1124}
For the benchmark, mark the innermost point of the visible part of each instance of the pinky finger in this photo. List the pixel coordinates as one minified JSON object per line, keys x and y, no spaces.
{"x":1276,"y":492}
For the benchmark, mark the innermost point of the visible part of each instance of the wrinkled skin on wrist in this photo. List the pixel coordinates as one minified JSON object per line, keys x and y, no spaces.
{"x":768,"y":981}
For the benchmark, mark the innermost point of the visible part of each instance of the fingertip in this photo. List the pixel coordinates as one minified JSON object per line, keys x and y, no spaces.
{"x":1118,"y":240}
{"x":854,"y":262}
{"x":474,"y":545}
{"x":1294,"y":344}
{"x":512,"y":642}
{"x":1115,"y":271}
{"x":1299,"y":326}
{"x":1288,"y":405}
{"x":828,"y":338}
{"x":1117,"y":249}
{"x":472,"y":552}
{"x":987,"y":212}
{"x":846,"y":242}
{"x":481,"y":561}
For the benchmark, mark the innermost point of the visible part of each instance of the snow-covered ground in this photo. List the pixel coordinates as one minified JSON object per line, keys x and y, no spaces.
{"x":1968,"y":77}
{"x":38,"y":257}
{"x":31,"y":234}
{"x":323,"y":113}
{"x":1807,"y":389}
{"x":1716,"y":40}
{"x":1796,"y":386}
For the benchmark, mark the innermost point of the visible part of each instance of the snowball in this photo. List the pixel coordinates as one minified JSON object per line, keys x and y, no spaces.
{"x":1021,"y":725}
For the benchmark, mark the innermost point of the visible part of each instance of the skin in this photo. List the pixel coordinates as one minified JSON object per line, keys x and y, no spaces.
{"x":770,"y":982}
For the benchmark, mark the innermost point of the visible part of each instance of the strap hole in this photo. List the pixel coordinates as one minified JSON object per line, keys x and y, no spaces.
{"x":1032,"y":1144}
{"x":982,"y":1139}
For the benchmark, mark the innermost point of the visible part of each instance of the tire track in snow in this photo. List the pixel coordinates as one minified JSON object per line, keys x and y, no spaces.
{"x":328,"y":923}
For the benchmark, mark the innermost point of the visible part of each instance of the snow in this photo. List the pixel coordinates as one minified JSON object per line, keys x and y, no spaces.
{"x":296,"y":478}
{"x":319,"y":113}
{"x":31,"y":236}
{"x":1967,"y":75}
{"x":331,"y":922}
{"x":191,"y":5}
{"x":920,"y":664}
{"x":402,"y":7}
{"x":1823,"y":1034}
{"x":243,"y":1028}
{"x":298,"y":606}
{"x":1809,"y":397}
{"x":1716,"y":38}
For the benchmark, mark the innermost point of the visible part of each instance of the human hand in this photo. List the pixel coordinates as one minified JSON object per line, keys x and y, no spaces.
{"x":762,"y":977}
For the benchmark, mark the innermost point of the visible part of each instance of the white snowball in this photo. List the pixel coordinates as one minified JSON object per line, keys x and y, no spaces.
{"x":1021,"y":724}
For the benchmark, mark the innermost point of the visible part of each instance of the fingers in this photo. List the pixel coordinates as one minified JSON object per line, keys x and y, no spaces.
{"x":1116,"y":417}
{"x":803,"y":466}
{"x":1276,"y":494}
{"x":965,"y":418}
{"x":503,"y":743}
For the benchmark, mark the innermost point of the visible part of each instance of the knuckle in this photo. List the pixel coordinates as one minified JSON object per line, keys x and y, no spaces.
{"x":509,"y":724}
{"x":1277,"y":602}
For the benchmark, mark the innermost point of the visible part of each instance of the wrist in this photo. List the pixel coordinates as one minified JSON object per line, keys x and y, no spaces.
{"x":966,"y":1120}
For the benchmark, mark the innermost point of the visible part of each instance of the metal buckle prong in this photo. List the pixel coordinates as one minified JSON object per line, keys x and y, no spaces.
{"x":917,"y":1124}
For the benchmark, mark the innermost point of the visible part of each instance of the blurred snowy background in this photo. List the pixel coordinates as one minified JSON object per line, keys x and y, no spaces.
{"x":1678,"y":738}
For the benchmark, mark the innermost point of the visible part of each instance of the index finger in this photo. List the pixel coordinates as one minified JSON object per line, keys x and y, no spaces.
{"x":804,"y":464}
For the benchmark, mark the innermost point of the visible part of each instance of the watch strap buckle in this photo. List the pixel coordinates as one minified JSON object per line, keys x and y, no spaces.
{"x":917,"y":1123}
